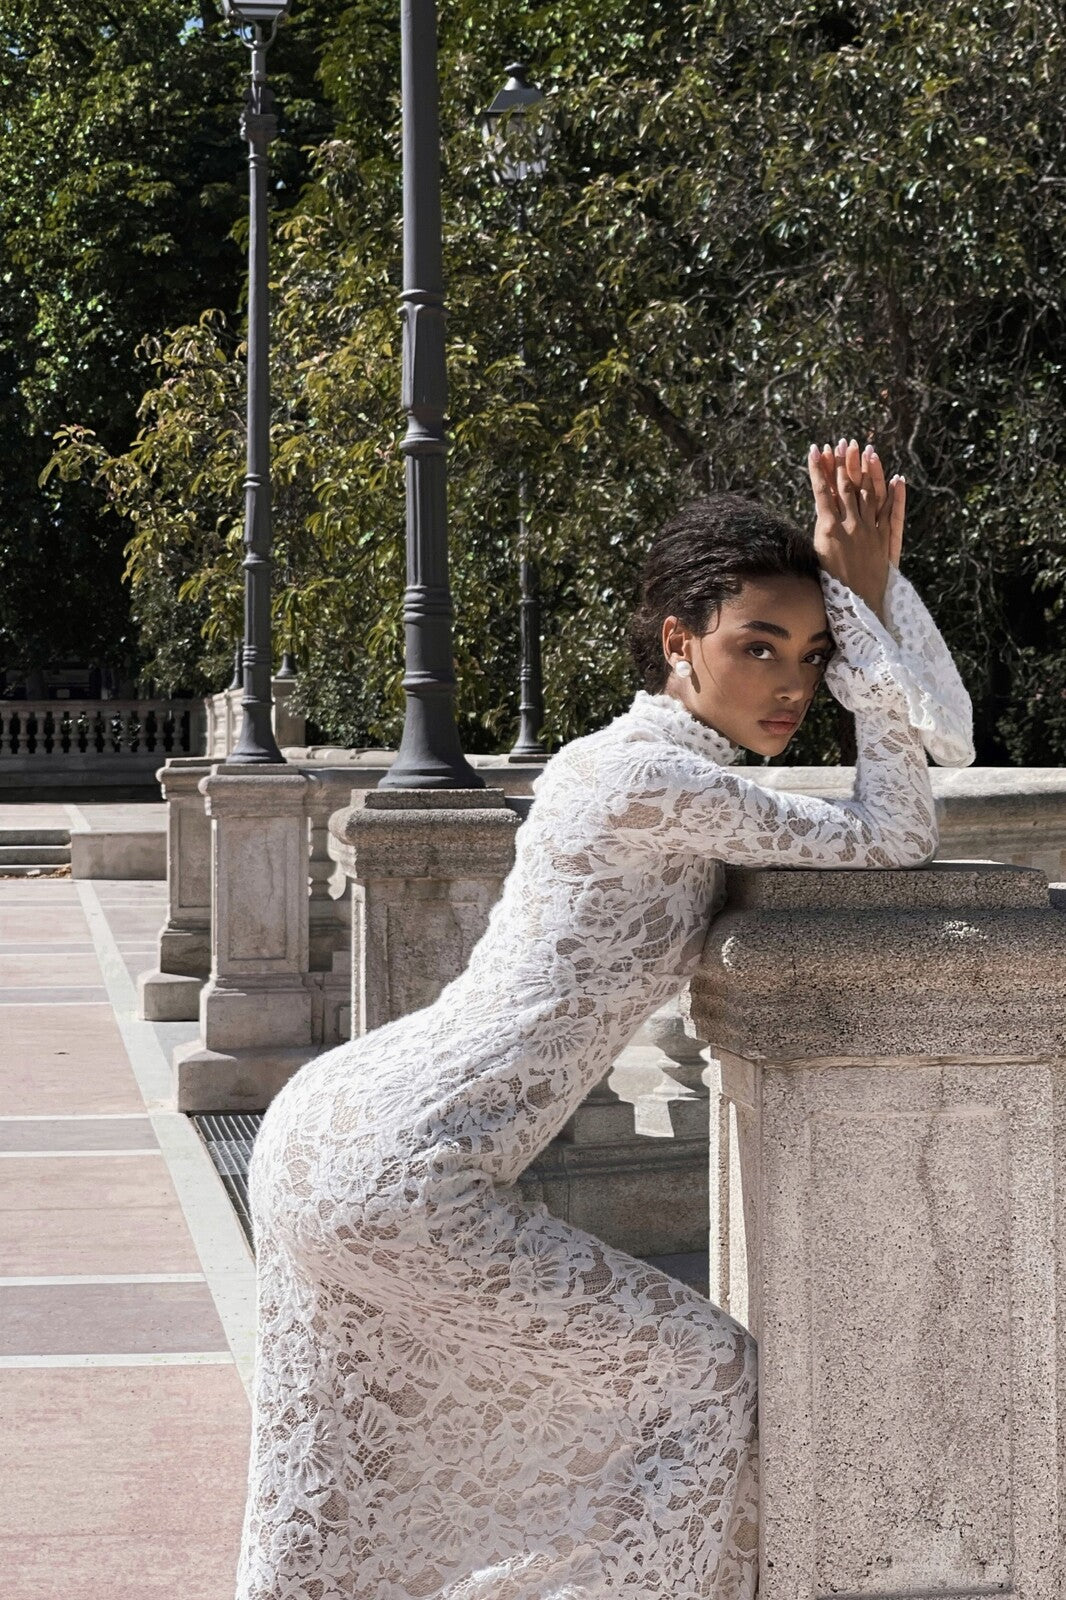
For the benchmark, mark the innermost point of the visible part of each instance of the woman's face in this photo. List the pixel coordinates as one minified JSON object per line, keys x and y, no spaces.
{"x":756,"y":669}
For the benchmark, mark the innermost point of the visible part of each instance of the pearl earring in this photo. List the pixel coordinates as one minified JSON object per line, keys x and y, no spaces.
{"x":683,"y":668}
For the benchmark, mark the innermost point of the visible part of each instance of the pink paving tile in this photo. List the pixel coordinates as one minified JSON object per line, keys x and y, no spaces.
{"x":52,"y":1244}
{"x":77,"y":994}
{"x":48,"y":971}
{"x":91,"y":1214}
{"x":69,"y":1059}
{"x":105,"y":1318}
{"x":39,"y":892}
{"x":191,"y":1565}
{"x":85,"y":1183}
{"x":78,"y":1133}
{"x":38,"y":924}
{"x":109,"y":1453}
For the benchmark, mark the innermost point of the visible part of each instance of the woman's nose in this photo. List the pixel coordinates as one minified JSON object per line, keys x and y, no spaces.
{"x":792,"y":689}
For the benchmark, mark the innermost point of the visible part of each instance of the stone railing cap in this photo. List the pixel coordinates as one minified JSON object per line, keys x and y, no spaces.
{"x":432,"y":799}
{"x":977,"y":884}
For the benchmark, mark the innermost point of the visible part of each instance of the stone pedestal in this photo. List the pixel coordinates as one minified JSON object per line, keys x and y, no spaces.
{"x":426,"y":867}
{"x":889,"y":1216}
{"x":172,"y":992}
{"x":257,"y":1009}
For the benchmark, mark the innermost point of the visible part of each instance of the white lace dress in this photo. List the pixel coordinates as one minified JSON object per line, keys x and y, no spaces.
{"x":457,"y":1396}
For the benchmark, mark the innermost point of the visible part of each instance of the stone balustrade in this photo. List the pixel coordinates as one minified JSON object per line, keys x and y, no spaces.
{"x":63,"y":743}
{"x":888,"y":1176}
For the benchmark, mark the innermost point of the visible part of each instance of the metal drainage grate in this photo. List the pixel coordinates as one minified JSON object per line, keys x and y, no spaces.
{"x":229,"y":1137}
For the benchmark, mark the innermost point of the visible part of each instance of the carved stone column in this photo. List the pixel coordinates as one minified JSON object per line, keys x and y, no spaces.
{"x":889,"y":1216}
{"x":257,"y":1009}
{"x":172,"y":992}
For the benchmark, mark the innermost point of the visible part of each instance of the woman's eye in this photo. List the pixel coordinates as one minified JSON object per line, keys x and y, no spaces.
{"x":768,"y":648}
{"x":819,"y":658}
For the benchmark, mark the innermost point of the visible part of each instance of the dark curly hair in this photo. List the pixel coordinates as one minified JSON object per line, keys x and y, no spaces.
{"x":704,"y":555}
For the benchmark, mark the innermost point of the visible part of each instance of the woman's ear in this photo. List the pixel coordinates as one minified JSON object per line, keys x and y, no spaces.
{"x":675,"y":637}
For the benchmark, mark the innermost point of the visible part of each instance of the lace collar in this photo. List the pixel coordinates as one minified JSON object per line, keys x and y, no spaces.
{"x":673,"y":719}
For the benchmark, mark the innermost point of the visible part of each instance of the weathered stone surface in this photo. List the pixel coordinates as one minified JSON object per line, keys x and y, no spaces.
{"x":257,"y":1009}
{"x":426,"y":868}
{"x":647,"y":1196}
{"x":168,"y":997}
{"x":167,"y":994}
{"x":241,"y":1080}
{"x":118,"y":853}
{"x":888,"y":1216}
{"x":939,"y":957}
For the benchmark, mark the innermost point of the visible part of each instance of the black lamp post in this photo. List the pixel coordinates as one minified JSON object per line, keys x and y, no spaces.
{"x":256,"y":22}
{"x":429,"y":756}
{"x":518,"y":141}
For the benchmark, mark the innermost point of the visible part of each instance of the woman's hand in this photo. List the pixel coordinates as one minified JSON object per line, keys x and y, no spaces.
{"x":858,"y":530}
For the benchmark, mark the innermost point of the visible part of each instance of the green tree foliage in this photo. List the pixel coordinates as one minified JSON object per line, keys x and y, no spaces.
{"x":121,"y":184}
{"x":759,"y":227}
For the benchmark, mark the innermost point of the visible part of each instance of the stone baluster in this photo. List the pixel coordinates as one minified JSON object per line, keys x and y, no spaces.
{"x":889,"y":1217}
{"x":172,"y":992}
{"x":257,"y":1008}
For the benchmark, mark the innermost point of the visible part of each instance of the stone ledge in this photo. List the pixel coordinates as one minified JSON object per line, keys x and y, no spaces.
{"x":957,"y":958}
{"x":986,"y":884}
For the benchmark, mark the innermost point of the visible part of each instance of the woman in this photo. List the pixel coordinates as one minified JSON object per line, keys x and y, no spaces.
{"x":459,"y":1397}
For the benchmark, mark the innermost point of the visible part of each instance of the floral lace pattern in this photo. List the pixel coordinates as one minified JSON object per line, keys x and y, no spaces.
{"x":458,"y":1396}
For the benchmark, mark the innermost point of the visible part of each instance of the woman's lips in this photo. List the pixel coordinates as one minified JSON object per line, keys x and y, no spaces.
{"x":780,"y":724}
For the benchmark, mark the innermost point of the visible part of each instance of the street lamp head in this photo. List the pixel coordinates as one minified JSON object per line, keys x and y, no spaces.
{"x":516,"y":128}
{"x":254,"y":13}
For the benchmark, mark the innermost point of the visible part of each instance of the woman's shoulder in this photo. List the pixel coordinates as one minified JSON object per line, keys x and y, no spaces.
{"x":654,"y":740}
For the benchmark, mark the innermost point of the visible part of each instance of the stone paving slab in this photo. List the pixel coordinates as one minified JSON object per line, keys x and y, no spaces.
{"x":134,"y":1496}
{"x":102,"y":1318}
{"x":31,"y":814}
{"x":105,"y":1240}
{"x":138,"y":1566}
{"x":29,"y":971}
{"x":63,"y":1059}
{"x":78,"y":1133}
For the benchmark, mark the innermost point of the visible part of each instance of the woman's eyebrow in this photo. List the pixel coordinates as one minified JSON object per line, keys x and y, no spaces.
{"x":781,"y":633}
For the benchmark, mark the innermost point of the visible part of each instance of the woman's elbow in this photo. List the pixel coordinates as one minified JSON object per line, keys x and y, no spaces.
{"x":914,"y":846}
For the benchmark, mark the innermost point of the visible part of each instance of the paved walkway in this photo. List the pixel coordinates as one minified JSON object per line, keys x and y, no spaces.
{"x":127,"y":1310}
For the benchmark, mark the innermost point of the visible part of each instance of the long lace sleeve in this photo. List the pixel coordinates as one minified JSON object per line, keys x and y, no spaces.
{"x":909,"y":655}
{"x":907,"y":696}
